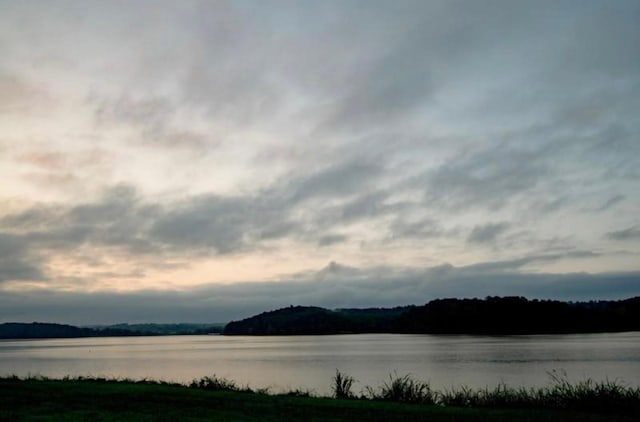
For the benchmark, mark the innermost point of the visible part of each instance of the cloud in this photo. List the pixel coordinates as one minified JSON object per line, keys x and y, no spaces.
{"x":428,"y":130}
{"x":210,"y":225}
{"x":424,"y":229}
{"x":630,"y":233}
{"x":121,"y":218}
{"x":20,"y":95}
{"x":389,"y":88}
{"x":365,"y":206}
{"x":518,"y":264}
{"x":337,"y":180}
{"x":487,"y":233}
{"x":153,"y":121}
{"x":117,"y":219}
{"x":16,"y":261}
{"x":489,"y":178}
{"x":195,"y":226}
{"x":45,"y":160}
{"x":335,"y":286}
{"x":331,"y":239}
{"x":611,"y":202}
{"x":223,"y":224}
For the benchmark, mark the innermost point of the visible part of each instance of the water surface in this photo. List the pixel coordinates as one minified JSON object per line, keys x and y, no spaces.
{"x":310,"y":361}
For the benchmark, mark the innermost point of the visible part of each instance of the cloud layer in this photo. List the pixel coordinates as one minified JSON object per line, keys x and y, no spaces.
{"x":162,"y":147}
{"x":335,"y":286}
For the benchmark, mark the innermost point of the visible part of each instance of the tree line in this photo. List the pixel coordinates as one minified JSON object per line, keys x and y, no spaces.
{"x":19,"y":330}
{"x":492,"y":315}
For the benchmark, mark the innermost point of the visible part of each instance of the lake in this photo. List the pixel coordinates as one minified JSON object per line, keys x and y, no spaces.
{"x":310,"y":361}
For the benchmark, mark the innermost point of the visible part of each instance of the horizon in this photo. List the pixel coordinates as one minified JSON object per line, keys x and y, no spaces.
{"x":267,"y":311}
{"x":218,"y":323}
{"x":203,"y":161}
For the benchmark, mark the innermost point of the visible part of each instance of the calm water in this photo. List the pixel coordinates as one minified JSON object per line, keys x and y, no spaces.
{"x":310,"y":361}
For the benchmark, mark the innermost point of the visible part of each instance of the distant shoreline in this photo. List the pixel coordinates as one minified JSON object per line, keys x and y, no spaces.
{"x":318,"y":335}
{"x":489,"y":316}
{"x":44,"y":330}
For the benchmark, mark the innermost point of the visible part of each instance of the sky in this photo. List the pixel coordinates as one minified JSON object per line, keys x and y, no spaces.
{"x":202,"y":161}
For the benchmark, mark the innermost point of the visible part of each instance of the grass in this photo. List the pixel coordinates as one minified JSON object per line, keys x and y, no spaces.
{"x":587,"y":395}
{"x":342,"y":385}
{"x":604,"y":397}
{"x":403,"y":389}
{"x":401,"y":398}
{"x":215,"y":383}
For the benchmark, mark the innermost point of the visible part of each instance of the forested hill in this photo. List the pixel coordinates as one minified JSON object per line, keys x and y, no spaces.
{"x":493,"y":315}
{"x":175,"y":329}
{"x":18,"y":330}
{"x":48,"y":330}
{"x":516,"y":315}
{"x":303,"y":320}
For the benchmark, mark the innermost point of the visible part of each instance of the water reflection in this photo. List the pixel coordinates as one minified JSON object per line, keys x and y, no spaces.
{"x":310,"y":361}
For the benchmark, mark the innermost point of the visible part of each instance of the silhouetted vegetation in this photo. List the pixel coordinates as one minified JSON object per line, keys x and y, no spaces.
{"x":596,"y":396}
{"x":215,"y":383}
{"x":493,"y":315}
{"x":309,"y":320}
{"x":404,"y":389}
{"x":517,"y":315}
{"x":342,"y":386}
{"x":18,"y":330}
{"x":400,"y":398}
{"x":167,"y":329}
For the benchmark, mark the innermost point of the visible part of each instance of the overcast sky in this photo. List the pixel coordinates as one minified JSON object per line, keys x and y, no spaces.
{"x":202,"y":161}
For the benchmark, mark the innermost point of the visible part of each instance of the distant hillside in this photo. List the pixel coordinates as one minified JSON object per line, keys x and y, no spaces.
{"x":301,"y":320}
{"x":18,"y":330}
{"x":167,"y":329}
{"x":493,"y":315}
{"x":517,"y":315}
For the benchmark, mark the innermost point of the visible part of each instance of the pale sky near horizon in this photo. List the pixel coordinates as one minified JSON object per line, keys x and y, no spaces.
{"x":206,"y":160}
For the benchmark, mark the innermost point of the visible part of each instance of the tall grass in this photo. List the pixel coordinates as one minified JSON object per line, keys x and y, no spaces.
{"x":588,"y":395}
{"x":216,"y":383}
{"x":403,"y":389}
{"x":341,"y":386}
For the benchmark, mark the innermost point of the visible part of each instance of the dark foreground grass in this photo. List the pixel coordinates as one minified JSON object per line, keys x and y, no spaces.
{"x":102,"y":399}
{"x":587,"y":395}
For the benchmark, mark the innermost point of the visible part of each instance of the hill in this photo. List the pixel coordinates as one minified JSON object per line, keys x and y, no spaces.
{"x":493,"y":315}
{"x":167,"y":329}
{"x":19,"y":330}
{"x":309,"y":320}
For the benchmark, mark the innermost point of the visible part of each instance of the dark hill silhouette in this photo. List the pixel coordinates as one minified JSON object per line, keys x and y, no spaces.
{"x":517,"y":315}
{"x":302,"y":320}
{"x":49,"y":330}
{"x":292,"y":320}
{"x":19,"y":330}
{"x":174,"y":329}
{"x":493,"y":315}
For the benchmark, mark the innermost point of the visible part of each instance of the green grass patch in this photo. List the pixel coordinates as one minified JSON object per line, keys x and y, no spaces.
{"x":212,"y":398}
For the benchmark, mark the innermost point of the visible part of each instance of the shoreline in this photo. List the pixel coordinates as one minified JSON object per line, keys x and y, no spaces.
{"x":2,"y":339}
{"x":399,"y":398}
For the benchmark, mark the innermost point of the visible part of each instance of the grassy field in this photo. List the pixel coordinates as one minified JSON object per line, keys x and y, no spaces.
{"x":77,"y":399}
